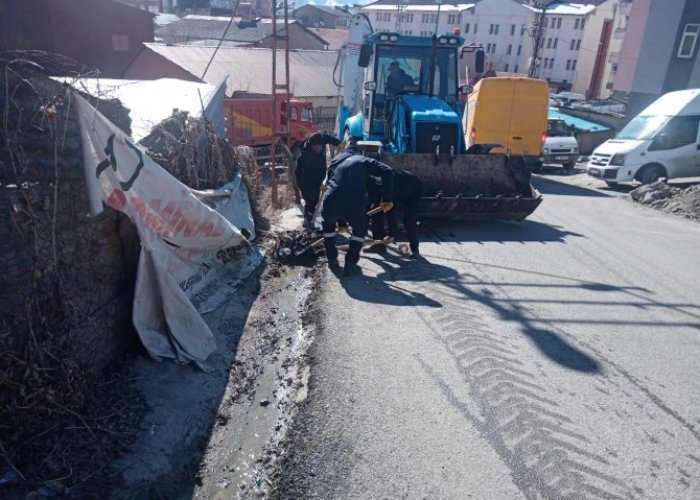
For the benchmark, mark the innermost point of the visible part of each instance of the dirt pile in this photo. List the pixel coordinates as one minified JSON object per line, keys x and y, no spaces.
{"x":680,"y":201}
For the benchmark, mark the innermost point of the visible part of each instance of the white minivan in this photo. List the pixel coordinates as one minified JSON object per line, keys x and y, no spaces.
{"x":660,"y":142}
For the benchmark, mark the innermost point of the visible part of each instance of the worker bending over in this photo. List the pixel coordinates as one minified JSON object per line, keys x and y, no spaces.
{"x":408,"y":190}
{"x":346,"y":200}
{"x":311,"y":171}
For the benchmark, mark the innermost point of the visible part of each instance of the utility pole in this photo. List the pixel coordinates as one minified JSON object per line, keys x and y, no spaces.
{"x":437,"y":19}
{"x":400,"y":14}
{"x":537,"y":35}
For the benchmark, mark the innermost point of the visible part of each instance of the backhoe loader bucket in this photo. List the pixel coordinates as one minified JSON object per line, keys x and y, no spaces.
{"x":471,"y":187}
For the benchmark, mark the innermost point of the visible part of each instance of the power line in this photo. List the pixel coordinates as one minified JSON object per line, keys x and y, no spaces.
{"x":221,"y":40}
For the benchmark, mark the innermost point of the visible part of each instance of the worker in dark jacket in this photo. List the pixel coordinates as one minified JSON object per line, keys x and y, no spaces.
{"x":408,"y":190}
{"x":346,"y":199}
{"x":311,"y":170}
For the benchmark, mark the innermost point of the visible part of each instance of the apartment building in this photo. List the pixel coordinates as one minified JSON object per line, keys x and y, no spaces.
{"x":660,"y":51}
{"x":568,"y":52}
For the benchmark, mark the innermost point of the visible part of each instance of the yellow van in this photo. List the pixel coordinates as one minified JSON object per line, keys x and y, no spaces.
{"x":511,"y":112}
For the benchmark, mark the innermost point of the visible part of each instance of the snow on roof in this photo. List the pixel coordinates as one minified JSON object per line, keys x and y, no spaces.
{"x":421,"y":8}
{"x":564,"y":9}
{"x":165,"y":19}
{"x":149,"y":101}
{"x":576,"y":122}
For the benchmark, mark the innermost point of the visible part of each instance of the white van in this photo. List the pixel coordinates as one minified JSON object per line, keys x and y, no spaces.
{"x":660,"y":142}
{"x":560,"y":146}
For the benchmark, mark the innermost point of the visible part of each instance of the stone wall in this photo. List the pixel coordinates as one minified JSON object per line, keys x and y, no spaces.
{"x":66,"y":276}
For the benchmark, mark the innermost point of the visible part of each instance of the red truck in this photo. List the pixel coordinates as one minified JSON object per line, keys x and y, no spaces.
{"x":248,"y":121}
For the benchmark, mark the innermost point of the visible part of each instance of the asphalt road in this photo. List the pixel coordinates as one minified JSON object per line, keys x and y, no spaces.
{"x":552,"y":358}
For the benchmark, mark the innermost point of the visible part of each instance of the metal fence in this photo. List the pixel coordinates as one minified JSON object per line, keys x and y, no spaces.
{"x":325,"y":118}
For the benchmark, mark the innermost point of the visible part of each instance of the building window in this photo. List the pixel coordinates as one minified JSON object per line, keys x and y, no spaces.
{"x":493,"y":29}
{"x":554,"y":44}
{"x":546,"y":62}
{"x":583,"y":23}
{"x":573,"y":64}
{"x":522,"y":30}
{"x":493,"y":48}
{"x":520,"y":49}
{"x":578,"y":44}
{"x":496,"y":32}
{"x":573,"y":45}
{"x":505,"y":68}
{"x":120,"y":43}
{"x":688,"y":41}
{"x":515,"y":70}
{"x":568,"y":64}
{"x":476,"y":28}
{"x":553,"y":23}
{"x":466,"y":28}
{"x":576,"y":24}
{"x":510,"y":49}
{"x":488,"y":48}
{"x":551,"y":63}
{"x":452,"y":19}
{"x":559,"y":23}
{"x":549,"y":43}
{"x":424,"y":18}
{"x":512,"y":30}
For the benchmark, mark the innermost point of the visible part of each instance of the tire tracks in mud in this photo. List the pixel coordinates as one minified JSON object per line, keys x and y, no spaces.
{"x":547,"y":452}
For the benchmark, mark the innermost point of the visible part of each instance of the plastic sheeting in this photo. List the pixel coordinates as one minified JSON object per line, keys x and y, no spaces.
{"x":193,"y":247}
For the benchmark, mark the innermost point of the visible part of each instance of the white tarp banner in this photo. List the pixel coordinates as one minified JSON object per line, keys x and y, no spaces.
{"x":193,"y":249}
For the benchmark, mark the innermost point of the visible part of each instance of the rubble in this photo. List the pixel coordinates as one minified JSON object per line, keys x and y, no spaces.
{"x":676,"y":200}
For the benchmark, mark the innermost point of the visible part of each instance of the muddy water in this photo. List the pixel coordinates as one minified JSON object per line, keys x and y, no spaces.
{"x":241,"y":452}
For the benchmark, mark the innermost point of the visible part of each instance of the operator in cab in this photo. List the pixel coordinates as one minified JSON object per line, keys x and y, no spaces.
{"x":398,"y":81}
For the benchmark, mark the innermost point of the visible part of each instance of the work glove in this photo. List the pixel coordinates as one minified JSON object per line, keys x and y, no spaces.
{"x":386,"y":206}
{"x":343,"y":228}
{"x":324,"y":188}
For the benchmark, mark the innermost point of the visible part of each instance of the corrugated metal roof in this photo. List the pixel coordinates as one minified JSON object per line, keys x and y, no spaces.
{"x":575,"y":121}
{"x":250,"y":69}
{"x":334,"y":37}
{"x":212,"y":27}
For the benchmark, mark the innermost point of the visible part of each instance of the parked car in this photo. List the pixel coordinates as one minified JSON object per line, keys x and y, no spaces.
{"x":560,"y":146}
{"x":660,"y":142}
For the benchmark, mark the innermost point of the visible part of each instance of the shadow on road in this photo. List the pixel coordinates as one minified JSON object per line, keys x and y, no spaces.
{"x":550,"y":343}
{"x":501,"y":231}
{"x":380,"y":291}
{"x":553,"y":187}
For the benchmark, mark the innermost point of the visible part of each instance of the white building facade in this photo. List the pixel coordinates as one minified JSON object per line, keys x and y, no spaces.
{"x":569,"y":40}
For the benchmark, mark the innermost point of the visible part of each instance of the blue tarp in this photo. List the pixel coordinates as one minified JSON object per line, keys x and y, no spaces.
{"x":578,"y":123}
